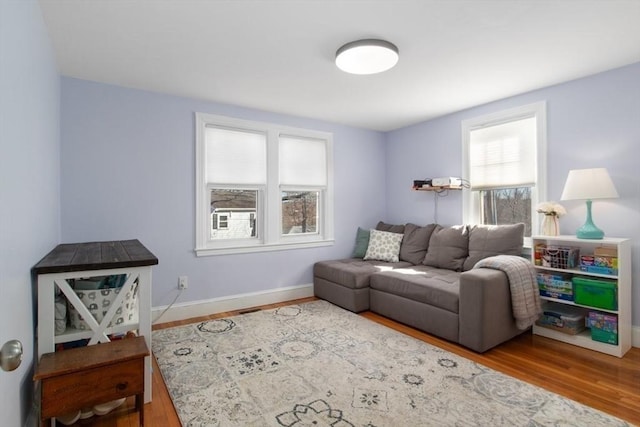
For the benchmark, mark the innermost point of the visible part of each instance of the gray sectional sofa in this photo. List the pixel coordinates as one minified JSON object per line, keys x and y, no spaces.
{"x":431,"y":283}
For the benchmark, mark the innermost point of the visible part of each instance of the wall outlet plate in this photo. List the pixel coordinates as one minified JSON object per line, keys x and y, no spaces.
{"x":183,"y":282}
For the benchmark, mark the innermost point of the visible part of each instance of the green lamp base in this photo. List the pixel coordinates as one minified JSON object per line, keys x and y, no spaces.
{"x":589,"y":229}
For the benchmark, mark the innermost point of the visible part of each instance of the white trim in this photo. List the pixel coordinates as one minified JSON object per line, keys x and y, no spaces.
{"x":539,"y":191}
{"x":232,"y":302}
{"x":269,"y":206}
{"x":635,"y":336}
{"x":263,"y":248}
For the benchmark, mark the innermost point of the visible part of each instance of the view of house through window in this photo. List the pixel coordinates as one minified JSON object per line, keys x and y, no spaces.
{"x":233,"y":213}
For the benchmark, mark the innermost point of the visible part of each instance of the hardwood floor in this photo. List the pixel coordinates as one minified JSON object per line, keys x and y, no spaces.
{"x":604,"y":382}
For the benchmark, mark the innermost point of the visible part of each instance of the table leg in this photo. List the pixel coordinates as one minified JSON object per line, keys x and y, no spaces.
{"x":140,"y":407}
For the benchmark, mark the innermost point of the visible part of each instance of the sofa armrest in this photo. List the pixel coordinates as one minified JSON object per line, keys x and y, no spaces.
{"x":485,"y":310}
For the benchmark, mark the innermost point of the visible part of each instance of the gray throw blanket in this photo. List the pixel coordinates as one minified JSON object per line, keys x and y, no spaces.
{"x":525,"y":296}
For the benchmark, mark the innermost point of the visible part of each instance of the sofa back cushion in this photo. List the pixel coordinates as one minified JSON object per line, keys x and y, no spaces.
{"x":490,"y":240}
{"x":383,"y":226}
{"x":415,"y":243}
{"x":448,"y":247}
{"x":383,"y":246}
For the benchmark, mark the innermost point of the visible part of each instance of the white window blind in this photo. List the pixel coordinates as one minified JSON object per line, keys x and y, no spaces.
{"x":275,"y":184}
{"x":235,"y":156}
{"x":503,"y":156}
{"x":303,"y":161}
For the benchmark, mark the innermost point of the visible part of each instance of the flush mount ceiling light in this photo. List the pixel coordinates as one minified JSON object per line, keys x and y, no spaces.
{"x":369,"y":56}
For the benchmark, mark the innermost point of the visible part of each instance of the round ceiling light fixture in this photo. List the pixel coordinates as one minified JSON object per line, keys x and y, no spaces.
{"x":369,"y":56}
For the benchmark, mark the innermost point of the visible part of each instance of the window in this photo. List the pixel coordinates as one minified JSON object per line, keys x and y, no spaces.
{"x":504,"y":163}
{"x":232,"y":213}
{"x":300,"y":212}
{"x":261,"y":186}
{"x":223,"y":222}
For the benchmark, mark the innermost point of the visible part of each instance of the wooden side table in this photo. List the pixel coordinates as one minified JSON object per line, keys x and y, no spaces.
{"x":70,"y":261}
{"x":87,"y":376}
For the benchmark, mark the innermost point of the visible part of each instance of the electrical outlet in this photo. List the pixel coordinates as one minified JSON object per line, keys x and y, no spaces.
{"x":183,"y":282}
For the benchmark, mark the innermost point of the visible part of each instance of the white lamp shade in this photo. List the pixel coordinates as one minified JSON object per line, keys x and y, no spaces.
{"x":367,"y":56}
{"x":589,"y":184}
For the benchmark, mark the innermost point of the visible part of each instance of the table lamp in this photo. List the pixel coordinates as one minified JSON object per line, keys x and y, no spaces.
{"x":589,"y":184}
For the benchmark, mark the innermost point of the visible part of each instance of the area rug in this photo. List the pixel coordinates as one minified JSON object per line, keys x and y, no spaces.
{"x":315,"y":364}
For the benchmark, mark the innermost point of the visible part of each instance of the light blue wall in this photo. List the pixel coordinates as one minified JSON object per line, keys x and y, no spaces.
{"x":591,"y":122}
{"x":128,"y":161}
{"x":29,"y":183}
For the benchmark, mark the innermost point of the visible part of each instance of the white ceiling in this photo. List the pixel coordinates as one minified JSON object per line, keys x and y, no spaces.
{"x":278,"y":55}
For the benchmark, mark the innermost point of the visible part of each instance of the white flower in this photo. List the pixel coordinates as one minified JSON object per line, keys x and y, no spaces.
{"x":551,"y":208}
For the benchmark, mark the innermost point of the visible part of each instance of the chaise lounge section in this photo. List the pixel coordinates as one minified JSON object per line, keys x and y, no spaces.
{"x":431,"y":283}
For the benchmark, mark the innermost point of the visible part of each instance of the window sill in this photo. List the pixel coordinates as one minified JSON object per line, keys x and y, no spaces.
{"x":200,"y":252}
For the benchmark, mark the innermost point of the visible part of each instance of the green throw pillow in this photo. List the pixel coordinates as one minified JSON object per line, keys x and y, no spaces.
{"x":362,"y":243}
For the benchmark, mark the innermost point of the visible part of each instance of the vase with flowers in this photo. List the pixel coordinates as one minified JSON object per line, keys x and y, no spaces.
{"x":552,"y":212}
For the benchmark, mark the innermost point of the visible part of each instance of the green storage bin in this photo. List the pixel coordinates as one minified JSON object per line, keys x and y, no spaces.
{"x":598,"y":293}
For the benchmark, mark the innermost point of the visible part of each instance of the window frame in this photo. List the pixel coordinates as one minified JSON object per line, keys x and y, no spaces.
{"x":471,"y":199}
{"x":269,"y":209}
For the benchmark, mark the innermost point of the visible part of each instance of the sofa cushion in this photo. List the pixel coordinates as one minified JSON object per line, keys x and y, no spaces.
{"x":362,"y":243}
{"x":429,"y":285}
{"x":384,"y":246}
{"x":486,"y":241}
{"x":383,"y":226}
{"x":448,"y":247}
{"x":415,"y":243}
{"x":352,"y":273}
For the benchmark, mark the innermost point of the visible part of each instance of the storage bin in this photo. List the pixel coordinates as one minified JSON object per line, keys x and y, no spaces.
{"x":562,"y":318}
{"x":600,"y":293}
{"x":99,"y":302}
{"x":560,"y":257}
{"x":89,"y":283}
{"x":604,"y":327}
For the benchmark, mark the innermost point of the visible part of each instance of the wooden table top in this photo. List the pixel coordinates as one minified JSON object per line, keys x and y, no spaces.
{"x":95,"y":256}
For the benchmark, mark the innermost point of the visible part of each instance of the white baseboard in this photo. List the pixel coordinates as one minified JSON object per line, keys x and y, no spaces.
{"x":635,"y":336}
{"x":229,"y":303}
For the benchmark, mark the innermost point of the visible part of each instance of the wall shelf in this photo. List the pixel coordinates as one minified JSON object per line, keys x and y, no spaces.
{"x":437,"y":189}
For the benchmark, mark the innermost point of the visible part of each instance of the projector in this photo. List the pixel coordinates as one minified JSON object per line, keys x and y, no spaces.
{"x":448,"y":181}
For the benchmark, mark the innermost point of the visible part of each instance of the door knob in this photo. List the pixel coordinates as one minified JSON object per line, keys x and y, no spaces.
{"x":11,"y":355}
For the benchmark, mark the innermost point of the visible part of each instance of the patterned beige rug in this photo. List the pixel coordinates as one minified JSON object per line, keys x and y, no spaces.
{"x":315,"y":364}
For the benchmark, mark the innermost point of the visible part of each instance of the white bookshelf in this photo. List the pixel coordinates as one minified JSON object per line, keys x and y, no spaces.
{"x":624,"y":283}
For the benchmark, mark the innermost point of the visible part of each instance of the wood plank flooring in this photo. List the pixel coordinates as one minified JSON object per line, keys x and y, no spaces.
{"x":604,"y":382}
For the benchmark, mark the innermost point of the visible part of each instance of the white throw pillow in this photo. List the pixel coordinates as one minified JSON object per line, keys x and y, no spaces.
{"x":383,"y":246}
